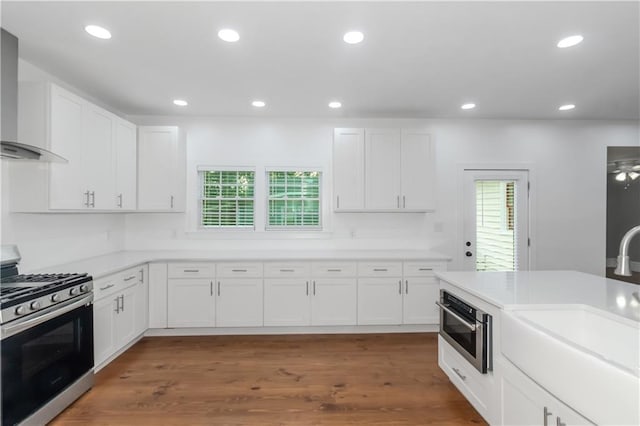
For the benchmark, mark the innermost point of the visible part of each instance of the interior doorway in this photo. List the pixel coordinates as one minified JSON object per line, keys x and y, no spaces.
{"x":495,"y":220}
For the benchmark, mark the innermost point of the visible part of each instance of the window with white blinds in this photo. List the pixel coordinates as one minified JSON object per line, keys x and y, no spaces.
{"x":294,"y":199}
{"x":227,"y":198}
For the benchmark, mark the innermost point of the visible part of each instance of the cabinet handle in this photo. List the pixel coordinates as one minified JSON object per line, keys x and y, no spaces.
{"x":400,"y":287}
{"x":406,"y":286}
{"x":380,"y":269}
{"x":218,"y":288}
{"x":334,"y":270}
{"x":172,"y":201}
{"x":238,"y":270}
{"x":117,"y":300}
{"x":307,"y":288}
{"x":132,"y":277}
{"x":398,"y":201}
{"x":142,"y":275}
{"x":560,"y":423}
{"x":93,"y":198}
{"x":463,"y":377}
{"x":425,"y":269}
{"x":404,"y":204}
{"x":211,"y":287}
{"x":547,"y":413}
{"x":338,"y":202}
{"x":107,"y":286}
{"x":287,"y":270}
{"x":314,"y":288}
{"x":120,"y":200}
{"x":86,"y":194}
{"x":191,"y":270}
{"x":122,"y":298}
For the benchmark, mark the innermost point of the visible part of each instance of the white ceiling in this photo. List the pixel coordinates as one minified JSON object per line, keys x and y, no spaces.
{"x":418,"y":59}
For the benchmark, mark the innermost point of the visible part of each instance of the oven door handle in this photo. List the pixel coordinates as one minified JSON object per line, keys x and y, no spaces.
{"x":50,"y":313}
{"x":464,"y":322}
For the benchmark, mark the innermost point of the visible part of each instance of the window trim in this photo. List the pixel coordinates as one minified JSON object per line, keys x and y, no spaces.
{"x":235,"y":228}
{"x":284,"y":228}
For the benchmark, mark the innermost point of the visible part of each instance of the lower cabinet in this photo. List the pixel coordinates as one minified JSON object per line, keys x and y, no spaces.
{"x":239,"y":302}
{"x":192,"y":302}
{"x":119,"y":313}
{"x":333,"y":301}
{"x":287,"y":302}
{"x":526,"y":403}
{"x":379,"y":301}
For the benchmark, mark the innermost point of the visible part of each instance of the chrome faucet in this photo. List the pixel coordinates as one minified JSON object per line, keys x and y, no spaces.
{"x":623,"y":267}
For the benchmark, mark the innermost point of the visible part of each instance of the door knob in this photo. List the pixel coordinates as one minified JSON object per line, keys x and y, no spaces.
{"x":468,"y":254}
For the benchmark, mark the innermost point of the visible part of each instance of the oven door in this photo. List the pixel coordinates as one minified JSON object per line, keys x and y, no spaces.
{"x":42,"y":356}
{"x":468,"y":336}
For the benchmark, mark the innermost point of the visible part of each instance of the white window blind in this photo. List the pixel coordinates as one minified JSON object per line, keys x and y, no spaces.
{"x":227,"y":198}
{"x":294,"y":199}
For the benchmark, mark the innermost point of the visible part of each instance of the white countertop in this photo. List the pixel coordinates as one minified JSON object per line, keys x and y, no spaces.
{"x":101,"y":266}
{"x":514,"y":289}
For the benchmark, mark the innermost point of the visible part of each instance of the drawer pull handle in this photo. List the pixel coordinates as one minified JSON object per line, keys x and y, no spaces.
{"x":380,"y":269}
{"x":132,"y":277}
{"x":463,"y":377}
{"x":192,"y":270}
{"x":464,"y":322}
{"x":238,"y":270}
{"x":425,"y":269}
{"x":334,"y":270}
{"x":287,"y":270}
{"x":547,"y":413}
{"x":107,"y":286}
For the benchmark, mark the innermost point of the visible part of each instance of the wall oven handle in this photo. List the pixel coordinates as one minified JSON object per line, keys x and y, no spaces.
{"x":56,"y":311}
{"x":464,"y":322}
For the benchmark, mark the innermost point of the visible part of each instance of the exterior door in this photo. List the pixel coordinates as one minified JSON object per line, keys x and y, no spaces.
{"x":495,"y":220}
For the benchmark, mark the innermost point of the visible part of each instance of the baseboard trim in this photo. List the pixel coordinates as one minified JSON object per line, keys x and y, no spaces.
{"x":353,"y":329}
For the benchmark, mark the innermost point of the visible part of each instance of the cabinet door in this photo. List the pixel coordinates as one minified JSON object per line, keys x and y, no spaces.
{"x":382,"y":170}
{"x":66,"y":188}
{"x":419,"y":301}
{"x":160,"y":169}
{"x":333,"y":301}
{"x":97,"y":161}
{"x":286,"y":301}
{"x":141,"y":303}
{"x":379,"y":301}
{"x":158,"y":293}
{"x":125,"y":165}
{"x":104,"y":337}
{"x":126,"y":318}
{"x":348,"y":169}
{"x":239,"y":302}
{"x":418,"y":177}
{"x":191,"y":303}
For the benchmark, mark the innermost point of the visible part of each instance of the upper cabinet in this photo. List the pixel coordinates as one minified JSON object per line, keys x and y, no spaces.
{"x":100,"y":148}
{"x":383,"y":170}
{"x":161,"y":169}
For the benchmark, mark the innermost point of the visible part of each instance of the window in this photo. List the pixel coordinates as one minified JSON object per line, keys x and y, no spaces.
{"x":227,"y":198}
{"x":294,"y":199}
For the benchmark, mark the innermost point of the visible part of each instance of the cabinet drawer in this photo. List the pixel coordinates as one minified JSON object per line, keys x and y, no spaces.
{"x":421,"y":269}
{"x":253,"y":269}
{"x":333,"y":269}
{"x":473,"y":385}
{"x":287,"y":269}
{"x":132,"y":276}
{"x":379,"y":269}
{"x":191,"y":270}
{"x":107,"y":285}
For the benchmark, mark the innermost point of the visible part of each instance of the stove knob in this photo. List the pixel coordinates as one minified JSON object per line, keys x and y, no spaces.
{"x":73,"y":291}
{"x":84,"y":288}
{"x":20,"y":310}
{"x":34,"y":305}
{"x":55,"y":297}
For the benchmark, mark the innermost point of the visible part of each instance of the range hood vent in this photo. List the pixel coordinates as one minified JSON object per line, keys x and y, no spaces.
{"x":10,"y":148}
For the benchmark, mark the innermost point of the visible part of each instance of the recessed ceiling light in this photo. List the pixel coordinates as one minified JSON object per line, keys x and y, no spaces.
{"x":229,"y":35}
{"x":570,"y":41}
{"x":566,"y":107}
{"x":98,"y":31}
{"x":258,"y":104}
{"x":335,"y":104}
{"x":180,"y":102}
{"x":468,"y":106}
{"x":353,"y":37}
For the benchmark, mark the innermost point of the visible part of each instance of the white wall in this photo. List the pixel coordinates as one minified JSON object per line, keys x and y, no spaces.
{"x":568,"y":161}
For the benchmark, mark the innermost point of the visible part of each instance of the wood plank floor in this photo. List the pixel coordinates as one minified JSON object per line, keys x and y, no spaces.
{"x":370,"y":379}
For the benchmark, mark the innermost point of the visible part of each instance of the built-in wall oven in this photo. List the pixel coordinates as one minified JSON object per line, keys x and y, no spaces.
{"x":467,"y":329}
{"x":46,"y":329}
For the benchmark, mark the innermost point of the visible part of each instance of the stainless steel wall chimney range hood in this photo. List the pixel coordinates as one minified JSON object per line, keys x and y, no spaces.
{"x":10,"y":148}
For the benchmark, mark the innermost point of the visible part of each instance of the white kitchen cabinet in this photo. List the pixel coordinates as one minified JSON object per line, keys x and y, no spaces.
{"x":81,"y":132}
{"x":383,"y":170}
{"x":157,"y":282}
{"x":104,"y":330}
{"x":526,"y":403}
{"x":141,"y":300}
{"x":420,"y":293}
{"x":334,"y":301}
{"x":125,"y":153}
{"x":379,"y":301}
{"x":161,"y":169}
{"x":239,"y":302}
{"x":348,"y":169}
{"x":191,"y":302}
{"x":287,"y":302}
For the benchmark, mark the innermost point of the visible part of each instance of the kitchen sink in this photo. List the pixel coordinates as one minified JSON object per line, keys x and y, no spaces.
{"x":585,"y":357}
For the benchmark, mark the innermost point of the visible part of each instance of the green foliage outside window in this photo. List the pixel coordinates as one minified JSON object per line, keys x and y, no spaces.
{"x":294,"y":199}
{"x":227,"y":198}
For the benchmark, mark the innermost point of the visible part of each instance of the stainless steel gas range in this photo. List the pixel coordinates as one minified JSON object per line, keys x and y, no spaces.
{"x":46,"y":326}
